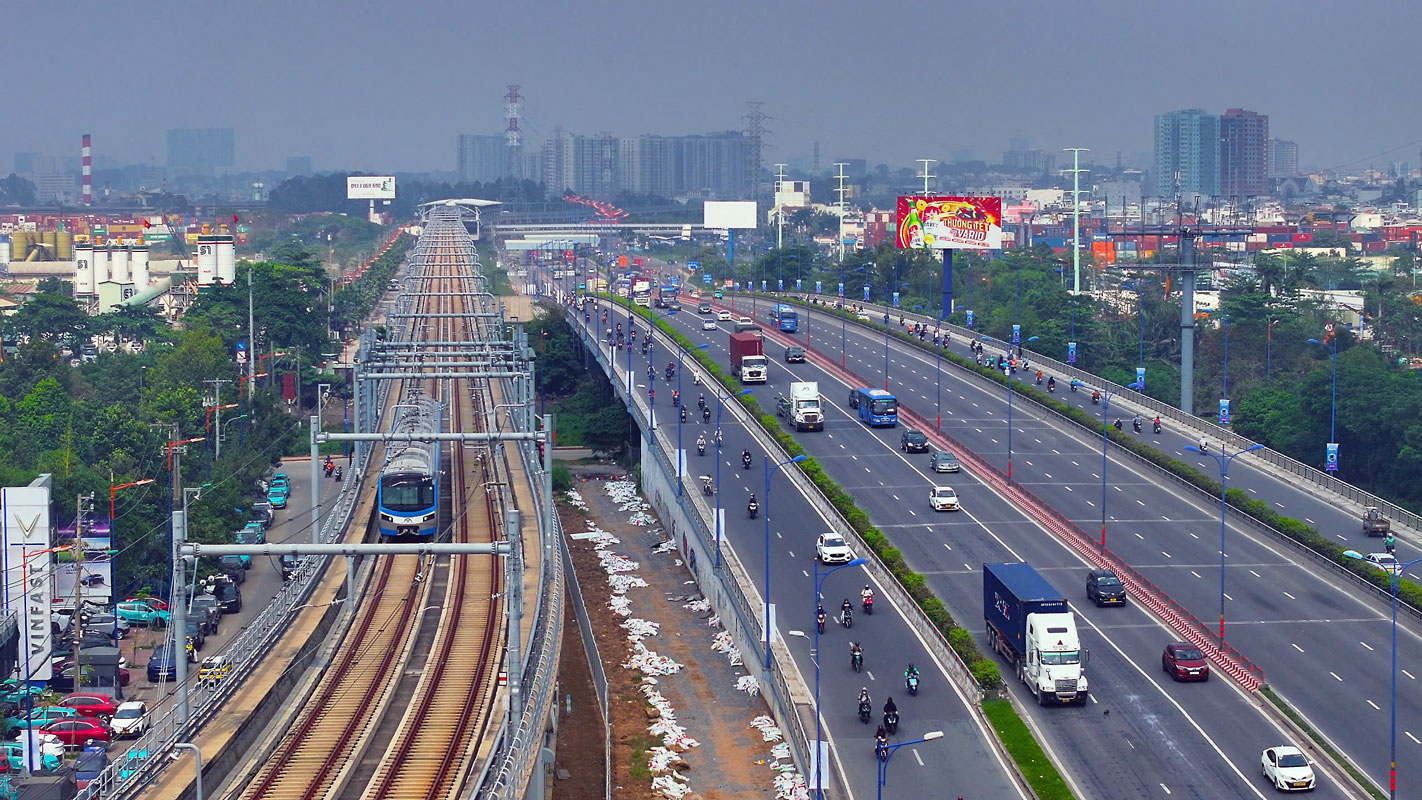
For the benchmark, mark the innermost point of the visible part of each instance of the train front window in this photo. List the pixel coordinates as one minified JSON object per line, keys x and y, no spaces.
{"x":407,"y":493}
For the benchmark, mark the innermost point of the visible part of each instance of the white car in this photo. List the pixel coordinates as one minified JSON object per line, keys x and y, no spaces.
{"x":708,"y":324}
{"x":831,"y":549}
{"x":943,"y":498}
{"x":724,"y":316}
{"x":1384,"y":562}
{"x":861,"y":316}
{"x":1287,"y":768}
{"x":130,"y":719}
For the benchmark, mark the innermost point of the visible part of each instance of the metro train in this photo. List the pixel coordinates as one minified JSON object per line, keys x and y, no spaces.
{"x":409,"y":489}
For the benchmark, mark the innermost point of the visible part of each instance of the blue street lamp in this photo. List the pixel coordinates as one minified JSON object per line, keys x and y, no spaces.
{"x":844,"y":315}
{"x":1333,"y":411}
{"x":1009,"y":399}
{"x":1223,"y":460}
{"x":886,"y":331}
{"x":1395,"y":581}
{"x":887,"y":752}
{"x":770,"y":470}
{"x":819,"y":734}
{"x":680,"y":357}
{"x":1269,"y":348}
{"x":1105,"y":406}
{"x":721,"y":406}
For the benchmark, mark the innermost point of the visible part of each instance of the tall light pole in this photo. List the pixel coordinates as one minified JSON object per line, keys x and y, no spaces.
{"x":887,"y":752}
{"x":680,"y":358}
{"x":721,"y":406}
{"x":893,"y":298}
{"x":815,"y":656}
{"x":1395,"y":579}
{"x":1269,"y":348}
{"x":1008,"y":370}
{"x":1332,"y":454}
{"x":765,"y":507}
{"x":1105,"y":407}
{"x":844,"y":316}
{"x":1076,"y":215}
{"x":1223,"y":459}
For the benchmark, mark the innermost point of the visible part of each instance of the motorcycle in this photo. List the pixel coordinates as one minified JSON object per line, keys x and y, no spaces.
{"x":746,"y":461}
{"x":1155,"y":428}
{"x":701,"y":402}
{"x":1096,"y":398}
{"x":1117,"y":423}
{"x":891,"y":721}
{"x":338,"y":475}
{"x":683,"y":415}
{"x":1137,"y":425}
{"x":701,"y":448}
{"x":911,"y":683}
{"x":708,"y":486}
{"x":846,"y":618}
{"x":820,"y":620}
{"x":864,"y":711}
{"x":881,"y":748}
{"x":752,"y":508}
{"x":706,"y":415}
{"x":1073,"y":385}
{"x":1051,"y":386}
{"x":856,"y":660}
{"x":867,"y":603}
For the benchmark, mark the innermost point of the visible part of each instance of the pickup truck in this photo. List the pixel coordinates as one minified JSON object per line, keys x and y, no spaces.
{"x":802,"y":407}
{"x":1030,"y":624}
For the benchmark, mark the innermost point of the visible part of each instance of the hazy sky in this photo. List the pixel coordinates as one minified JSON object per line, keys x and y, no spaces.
{"x":387,"y":85}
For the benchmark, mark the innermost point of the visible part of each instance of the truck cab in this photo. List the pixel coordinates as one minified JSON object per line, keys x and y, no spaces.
{"x":1030,"y":624}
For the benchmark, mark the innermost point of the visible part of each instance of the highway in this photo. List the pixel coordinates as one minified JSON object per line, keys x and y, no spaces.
{"x":1317,"y":637}
{"x":963,"y":762}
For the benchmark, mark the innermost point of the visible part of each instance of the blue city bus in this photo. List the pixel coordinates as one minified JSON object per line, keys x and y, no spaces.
{"x":784,"y":318}
{"x":875,"y":406}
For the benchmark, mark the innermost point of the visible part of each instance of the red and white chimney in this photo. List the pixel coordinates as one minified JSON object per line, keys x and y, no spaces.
{"x":88,"y":173}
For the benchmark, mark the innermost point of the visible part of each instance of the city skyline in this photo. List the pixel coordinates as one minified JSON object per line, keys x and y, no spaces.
{"x":293,"y":79}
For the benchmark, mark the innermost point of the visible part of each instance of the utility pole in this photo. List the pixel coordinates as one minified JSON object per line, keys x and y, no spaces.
{"x":926,"y":162}
{"x":779,"y":212}
{"x":83,"y":508}
{"x":251,"y":340}
{"x":216,"y":403}
{"x":840,"y":191}
{"x":1075,"y":216}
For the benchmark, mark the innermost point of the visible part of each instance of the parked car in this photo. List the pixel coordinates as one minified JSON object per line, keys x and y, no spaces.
{"x":830,"y":548}
{"x":277,"y":497}
{"x":943,"y":498}
{"x":235,"y":567}
{"x":289,"y":565}
{"x":90,"y":763}
{"x":913,"y":441}
{"x":279,"y":480}
{"x":206,"y":608}
{"x":144,"y":614}
{"x":76,"y":731}
{"x":195,"y":632}
{"x":256,"y":531}
{"x":229,"y":597}
{"x":214,"y":670}
{"x":51,"y":755}
{"x":155,"y":603}
{"x":1184,"y":662}
{"x":15,"y":693}
{"x":1287,"y":768}
{"x":91,"y":704}
{"x":944,"y":461}
{"x":163,"y":664}
{"x":1105,"y":589}
{"x":131,"y":719}
{"x":794,"y":354}
{"x":105,"y":621}
{"x":41,"y":716}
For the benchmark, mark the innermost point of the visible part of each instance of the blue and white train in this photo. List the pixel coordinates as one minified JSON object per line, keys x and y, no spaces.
{"x":409,"y":491}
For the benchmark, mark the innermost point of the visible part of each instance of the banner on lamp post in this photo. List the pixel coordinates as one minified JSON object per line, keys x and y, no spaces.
{"x":1224,"y":411}
{"x":779,"y":284}
{"x":1071,"y":352}
{"x":841,"y":289}
{"x":762,"y":284}
{"x":1331,"y":460}
{"x":1017,"y":334}
{"x":896,"y":299}
{"x":866,"y":294}
{"x":1140,"y":379}
{"x":970,"y":317}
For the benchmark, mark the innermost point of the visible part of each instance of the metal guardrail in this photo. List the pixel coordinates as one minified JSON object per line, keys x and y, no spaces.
{"x":1291,"y":466}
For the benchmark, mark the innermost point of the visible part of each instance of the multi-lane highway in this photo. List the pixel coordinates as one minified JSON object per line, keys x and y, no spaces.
{"x":1323,"y":642}
{"x":1157,"y":738}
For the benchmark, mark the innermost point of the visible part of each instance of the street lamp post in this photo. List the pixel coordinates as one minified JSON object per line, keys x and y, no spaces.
{"x":770,"y":470}
{"x":890,"y":299}
{"x":721,"y":406}
{"x":197,"y":754}
{"x":1395,"y":581}
{"x":1009,"y":399}
{"x":815,"y":656}
{"x":1269,"y":348}
{"x":1105,"y":408}
{"x":1333,"y":406}
{"x":887,"y":752}
{"x":1223,"y":460}
{"x":680,"y":358}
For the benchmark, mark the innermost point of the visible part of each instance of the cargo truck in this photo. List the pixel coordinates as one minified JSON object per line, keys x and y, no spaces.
{"x":748,"y":361}
{"x":802,"y":407}
{"x":1030,"y":624}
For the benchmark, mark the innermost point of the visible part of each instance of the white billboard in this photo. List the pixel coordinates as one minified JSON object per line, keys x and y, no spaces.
{"x":94,"y":577}
{"x":25,"y":527}
{"x":730,"y":214}
{"x":370,"y":187}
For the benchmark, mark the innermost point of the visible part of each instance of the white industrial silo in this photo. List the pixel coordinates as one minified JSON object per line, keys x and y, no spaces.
{"x":207,"y":257}
{"x":101,"y":263}
{"x":83,"y":269}
{"x":138,"y":264}
{"x":118,"y":261}
{"x":226,"y":257}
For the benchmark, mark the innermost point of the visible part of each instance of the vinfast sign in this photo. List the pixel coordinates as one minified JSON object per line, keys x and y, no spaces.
{"x":370,"y":187}
{"x":26,"y":530}
{"x":950,"y":223}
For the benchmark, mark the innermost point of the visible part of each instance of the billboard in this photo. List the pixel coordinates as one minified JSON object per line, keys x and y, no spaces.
{"x":370,"y":187}
{"x":94,"y":580}
{"x":950,"y":223}
{"x":730,"y":214}
{"x":24,"y":515}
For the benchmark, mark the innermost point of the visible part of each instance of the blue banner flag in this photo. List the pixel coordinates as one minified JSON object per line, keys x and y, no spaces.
{"x":970,"y":318}
{"x":1331,"y":463}
{"x":1016,"y":334}
{"x":1071,"y":352}
{"x":1224,"y":412}
{"x":1140,"y":379}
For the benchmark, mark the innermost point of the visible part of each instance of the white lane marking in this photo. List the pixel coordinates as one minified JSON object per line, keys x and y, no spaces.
{"x":1296,"y":647}
{"x":1335,"y":676}
{"x":1365,"y":644}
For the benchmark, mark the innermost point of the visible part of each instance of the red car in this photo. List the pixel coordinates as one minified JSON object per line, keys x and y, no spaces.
{"x":75,"y":732}
{"x":91,"y":705}
{"x":155,"y":603}
{"x":1184,"y":662}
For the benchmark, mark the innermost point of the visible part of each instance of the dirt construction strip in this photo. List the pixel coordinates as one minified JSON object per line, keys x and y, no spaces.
{"x":687,"y":719}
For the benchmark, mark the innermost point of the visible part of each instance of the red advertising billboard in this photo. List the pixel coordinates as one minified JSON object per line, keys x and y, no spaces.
{"x":950,"y":223}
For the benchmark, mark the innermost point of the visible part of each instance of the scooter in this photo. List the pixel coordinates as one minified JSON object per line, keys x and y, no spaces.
{"x":701,"y":448}
{"x":856,"y":660}
{"x":1096,"y":398}
{"x":911,"y":683}
{"x":1051,"y":386}
{"x":752,"y":508}
{"x":683,"y":415}
{"x":820,"y":620}
{"x":864,"y":711}
{"x":706,"y":415}
{"x":1155,"y":428}
{"x":338,"y":475}
{"x":746,"y":461}
{"x":891,"y":722}
{"x":881,"y":748}
{"x":1137,"y":425}
{"x":867,"y":603}
{"x":846,"y":618}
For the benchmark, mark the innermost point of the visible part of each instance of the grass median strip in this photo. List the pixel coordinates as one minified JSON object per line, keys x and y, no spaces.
{"x":1041,"y":774}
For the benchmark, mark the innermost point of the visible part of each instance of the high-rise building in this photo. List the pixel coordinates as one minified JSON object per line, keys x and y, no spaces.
{"x":200,"y":150}
{"x":559,"y":174}
{"x":1187,"y":154}
{"x":481,"y":158}
{"x":596,"y":166}
{"x":1244,"y":154}
{"x":1283,"y":158}
{"x":654,"y":165}
{"x":710,"y":165}
{"x":298,"y":165}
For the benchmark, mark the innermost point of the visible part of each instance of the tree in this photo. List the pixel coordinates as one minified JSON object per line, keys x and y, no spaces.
{"x":49,"y":316}
{"x":16,"y":191}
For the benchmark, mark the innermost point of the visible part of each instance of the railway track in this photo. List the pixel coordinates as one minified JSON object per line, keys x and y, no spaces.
{"x":434,"y":745}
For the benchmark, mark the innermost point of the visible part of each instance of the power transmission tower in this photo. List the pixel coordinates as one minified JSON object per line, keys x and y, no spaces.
{"x":756,"y":133}
{"x":815,"y":169}
{"x":512,"y":184}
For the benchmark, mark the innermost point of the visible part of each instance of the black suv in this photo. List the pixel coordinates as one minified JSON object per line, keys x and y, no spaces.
{"x":206,"y":608}
{"x":794,"y":355}
{"x":914,"y":441}
{"x":229,"y":597}
{"x":1105,"y":589}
